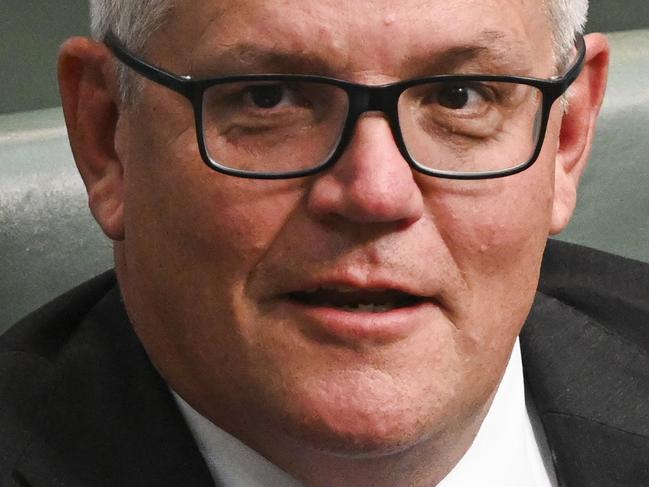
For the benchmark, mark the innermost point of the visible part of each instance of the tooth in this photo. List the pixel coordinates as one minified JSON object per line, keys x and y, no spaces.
{"x":371,"y":308}
{"x":341,"y":289}
{"x":368,"y":307}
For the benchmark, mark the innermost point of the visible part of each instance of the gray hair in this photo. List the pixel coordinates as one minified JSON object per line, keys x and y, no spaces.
{"x":134,"y":21}
{"x":567,"y":19}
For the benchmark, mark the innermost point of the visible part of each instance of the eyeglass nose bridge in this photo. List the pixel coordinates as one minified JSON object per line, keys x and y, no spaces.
{"x":373,"y":99}
{"x":383,"y":99}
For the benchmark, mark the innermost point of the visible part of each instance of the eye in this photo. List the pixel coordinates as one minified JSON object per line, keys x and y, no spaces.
{"x":267,"y":96}
{"x":460,"y":97}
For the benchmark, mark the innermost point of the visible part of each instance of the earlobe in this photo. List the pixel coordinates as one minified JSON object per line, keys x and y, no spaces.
{"x":90,"y":104}
{"x":578,"y":129}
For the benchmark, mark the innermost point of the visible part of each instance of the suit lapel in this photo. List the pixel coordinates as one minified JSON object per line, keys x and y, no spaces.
{"x":590,"y":387}
{"x":108,"y":418}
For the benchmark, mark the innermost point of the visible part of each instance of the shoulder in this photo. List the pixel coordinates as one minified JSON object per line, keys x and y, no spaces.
{"x":585,"y":349}
{"x":45,"y":331}
{"x":611,"y":290}
{"x":81,"y":404}
{"x":32,"y":353}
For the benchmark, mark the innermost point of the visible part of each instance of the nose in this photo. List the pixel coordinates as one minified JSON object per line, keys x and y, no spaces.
{"x":371,"y":182}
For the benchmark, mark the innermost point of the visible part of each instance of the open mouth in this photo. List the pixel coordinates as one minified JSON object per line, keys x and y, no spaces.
{"x":356,"y":300}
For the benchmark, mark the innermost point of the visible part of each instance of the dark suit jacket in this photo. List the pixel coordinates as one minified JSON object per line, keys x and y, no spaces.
{"x":81,"y":405}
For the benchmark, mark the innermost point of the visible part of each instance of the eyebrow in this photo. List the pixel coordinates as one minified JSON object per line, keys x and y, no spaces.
{"x":491,"y":52}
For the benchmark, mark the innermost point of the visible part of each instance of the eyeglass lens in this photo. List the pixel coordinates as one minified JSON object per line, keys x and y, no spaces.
{"x":273,"y":126}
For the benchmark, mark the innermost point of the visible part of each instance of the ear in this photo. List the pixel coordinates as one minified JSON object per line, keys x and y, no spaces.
{"x":578,"y":129}
{"x":88,"y":85}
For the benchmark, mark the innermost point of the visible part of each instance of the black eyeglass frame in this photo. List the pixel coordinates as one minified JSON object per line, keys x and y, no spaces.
{"x":362,"y":98}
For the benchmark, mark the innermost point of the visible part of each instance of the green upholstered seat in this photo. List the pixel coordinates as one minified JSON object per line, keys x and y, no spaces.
{"x":48,"y":239}
{"x":613,"y":208}
{"x":49,"y":242}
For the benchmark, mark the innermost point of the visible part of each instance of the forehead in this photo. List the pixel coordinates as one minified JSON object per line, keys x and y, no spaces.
{"x":361,"y":35}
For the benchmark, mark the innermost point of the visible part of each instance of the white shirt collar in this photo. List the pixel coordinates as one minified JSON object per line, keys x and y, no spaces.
{"x":231,"y":462}
{"x":505,"y":452}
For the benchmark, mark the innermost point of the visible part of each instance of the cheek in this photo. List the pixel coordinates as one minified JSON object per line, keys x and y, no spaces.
{"x":502,"y":222}
{"x":497,"y":225}
{"x":193,"y":235}
{"x":496,"y":236}
{"x":213,"y":239}
{"x":497,"y":228}
{"x":193,"y":214}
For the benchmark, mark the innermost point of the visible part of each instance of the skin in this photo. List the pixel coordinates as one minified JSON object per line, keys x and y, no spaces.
{"x":201,"y":257}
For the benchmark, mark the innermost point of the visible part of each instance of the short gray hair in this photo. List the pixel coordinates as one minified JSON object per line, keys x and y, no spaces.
{"x":134,"y":21}
{"x":567,"y":19}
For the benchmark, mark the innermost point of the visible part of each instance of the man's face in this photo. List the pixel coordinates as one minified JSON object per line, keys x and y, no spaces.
{"x":236,"y":287}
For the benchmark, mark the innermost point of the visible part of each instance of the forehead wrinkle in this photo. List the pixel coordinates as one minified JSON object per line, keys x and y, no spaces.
{"x":490,"y":49}
{"x":241,"y":58}
{"x":260,"y":40}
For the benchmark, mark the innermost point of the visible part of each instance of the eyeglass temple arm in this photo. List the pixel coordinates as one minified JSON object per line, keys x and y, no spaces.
{"x":182,"y":85}
{"x":564,"y":82}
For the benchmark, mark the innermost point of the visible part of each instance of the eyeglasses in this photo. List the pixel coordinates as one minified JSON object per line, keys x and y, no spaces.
{"x":269,"y":126}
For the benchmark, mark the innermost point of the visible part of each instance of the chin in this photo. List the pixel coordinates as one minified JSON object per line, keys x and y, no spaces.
{"x":364,"y":423}
{"x":369,"y":438}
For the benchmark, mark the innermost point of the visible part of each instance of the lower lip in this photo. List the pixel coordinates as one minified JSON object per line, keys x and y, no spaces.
{"x":362,"y":326}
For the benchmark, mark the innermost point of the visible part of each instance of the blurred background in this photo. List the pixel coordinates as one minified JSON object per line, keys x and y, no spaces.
{"x":49,"y":242}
